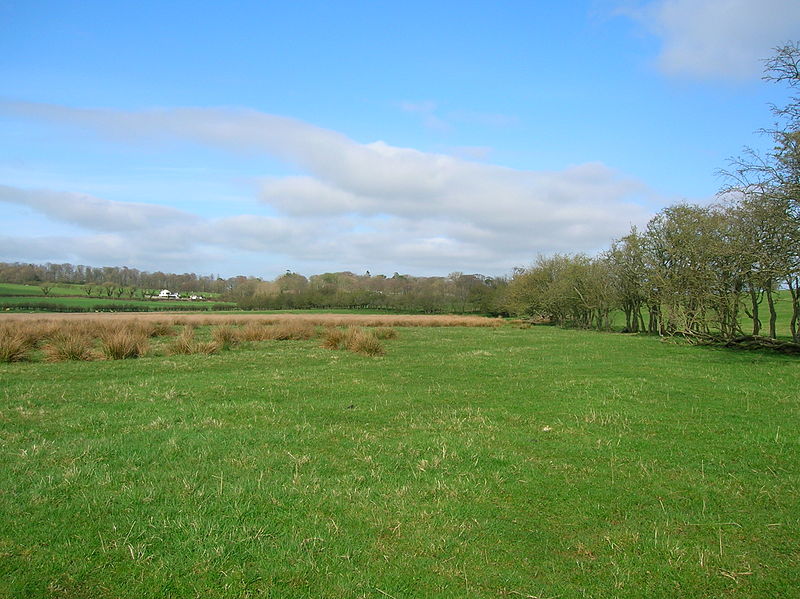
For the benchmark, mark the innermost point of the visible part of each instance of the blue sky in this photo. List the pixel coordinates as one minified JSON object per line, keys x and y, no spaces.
{"x":420,"y":137}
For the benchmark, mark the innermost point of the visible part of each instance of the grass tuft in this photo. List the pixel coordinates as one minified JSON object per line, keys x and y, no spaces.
{"x":354,"y":339}
{"x":72,"y":344}
{"x":385,"y":333}
{"x":183,"y":343}
{"x":14,"y":344}
{"x":124,"y":343}
{"x":225,"y":336}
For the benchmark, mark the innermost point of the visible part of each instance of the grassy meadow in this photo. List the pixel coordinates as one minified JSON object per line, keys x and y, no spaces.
{"x":68,"y":297}
{"x":460,"y":461}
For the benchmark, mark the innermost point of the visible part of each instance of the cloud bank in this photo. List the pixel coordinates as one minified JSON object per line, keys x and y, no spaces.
{"x":357,"y":205}
{"x":718,"y":39}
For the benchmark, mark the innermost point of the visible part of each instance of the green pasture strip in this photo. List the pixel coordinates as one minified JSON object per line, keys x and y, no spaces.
{"x":12,"y":289}
{"x":465,"y":463}
{"x":70,"y":289}
{"x":95,"y":303}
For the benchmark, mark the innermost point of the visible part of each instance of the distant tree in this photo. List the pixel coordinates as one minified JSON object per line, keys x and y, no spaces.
{"x":45,"y":287}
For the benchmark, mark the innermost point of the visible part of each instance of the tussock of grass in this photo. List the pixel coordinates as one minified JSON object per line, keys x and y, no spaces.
{"x":225,"y":336}
{"x":333,"y":338}
{"x":70,"y":345}
{"x":183,"y":343}
{"x":385,"y":333}
{"x":186,"y":343}
{"x":207,"y":347}
{"x":365,"y":342}
{"x":162,"y":328}
{"x":354,"y":339}
{"x":124,"y":343}
{"x":14,"y":345}
{"x":254,"y":331}
{"x":293,"y":331}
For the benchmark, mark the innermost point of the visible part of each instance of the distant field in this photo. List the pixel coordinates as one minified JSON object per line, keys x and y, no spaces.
{"x":22,"y":297}
{"x":466,"y":462}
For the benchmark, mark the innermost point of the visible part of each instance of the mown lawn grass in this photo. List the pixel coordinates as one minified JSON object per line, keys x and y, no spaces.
{"x":464,"y":463}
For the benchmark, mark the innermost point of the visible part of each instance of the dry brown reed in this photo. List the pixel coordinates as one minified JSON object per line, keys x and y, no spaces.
{"x":366,"y":320}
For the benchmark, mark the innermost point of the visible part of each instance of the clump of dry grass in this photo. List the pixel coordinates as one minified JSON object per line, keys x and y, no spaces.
{"x":292,"y":330}
{"x":14,"y":344}
{"x":74,"y":344}
{"x":185,"y":343}
{"x":333,"y":338}
{"x":225,"y":336}
{"x":162,"y":328}
{"x":206,"y":347}
{"x":385,"y":333}
{"x":254,"y":331}
{"x":125,"y":342}
{"x":354,"y":339}
{"x":365,"y":342}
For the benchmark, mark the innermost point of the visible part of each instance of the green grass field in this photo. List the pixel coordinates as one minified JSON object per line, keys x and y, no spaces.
{"x":73,"y":296}
{"x":465,"y":463}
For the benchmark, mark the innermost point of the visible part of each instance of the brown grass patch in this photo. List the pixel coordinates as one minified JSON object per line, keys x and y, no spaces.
{"x":125,"y":342}
{"x":364,"y":320}
{"x":225,"y":336}
{"x":360,"y":341}
{"x":14,"y":344}
{"x":73,"y":344}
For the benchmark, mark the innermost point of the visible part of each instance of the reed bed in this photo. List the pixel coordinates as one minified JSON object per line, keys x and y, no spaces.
{"x":344,"y":320}
{"x":59,"y":337}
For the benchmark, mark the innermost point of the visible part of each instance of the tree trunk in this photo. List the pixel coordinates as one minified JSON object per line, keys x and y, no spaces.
{"x":754,"y":301}
{"x":773,"y":316}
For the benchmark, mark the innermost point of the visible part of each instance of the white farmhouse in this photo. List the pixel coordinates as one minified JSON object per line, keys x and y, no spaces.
{"x":167,"y":294}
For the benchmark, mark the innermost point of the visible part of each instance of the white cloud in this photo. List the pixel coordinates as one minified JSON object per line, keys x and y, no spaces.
{"x":724,"y":39}
{"x":91,"y":212}
{"x":357,"y":205}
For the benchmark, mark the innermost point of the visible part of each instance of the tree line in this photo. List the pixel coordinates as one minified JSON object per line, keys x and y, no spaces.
{"x":698,"y":271}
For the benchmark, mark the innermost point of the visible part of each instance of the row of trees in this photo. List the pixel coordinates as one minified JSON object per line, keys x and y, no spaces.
{"x":695,"y":270}
{"x":458,"y":292}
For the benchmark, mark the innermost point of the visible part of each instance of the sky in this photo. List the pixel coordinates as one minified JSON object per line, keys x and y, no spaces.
{"x":257,"y":137}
